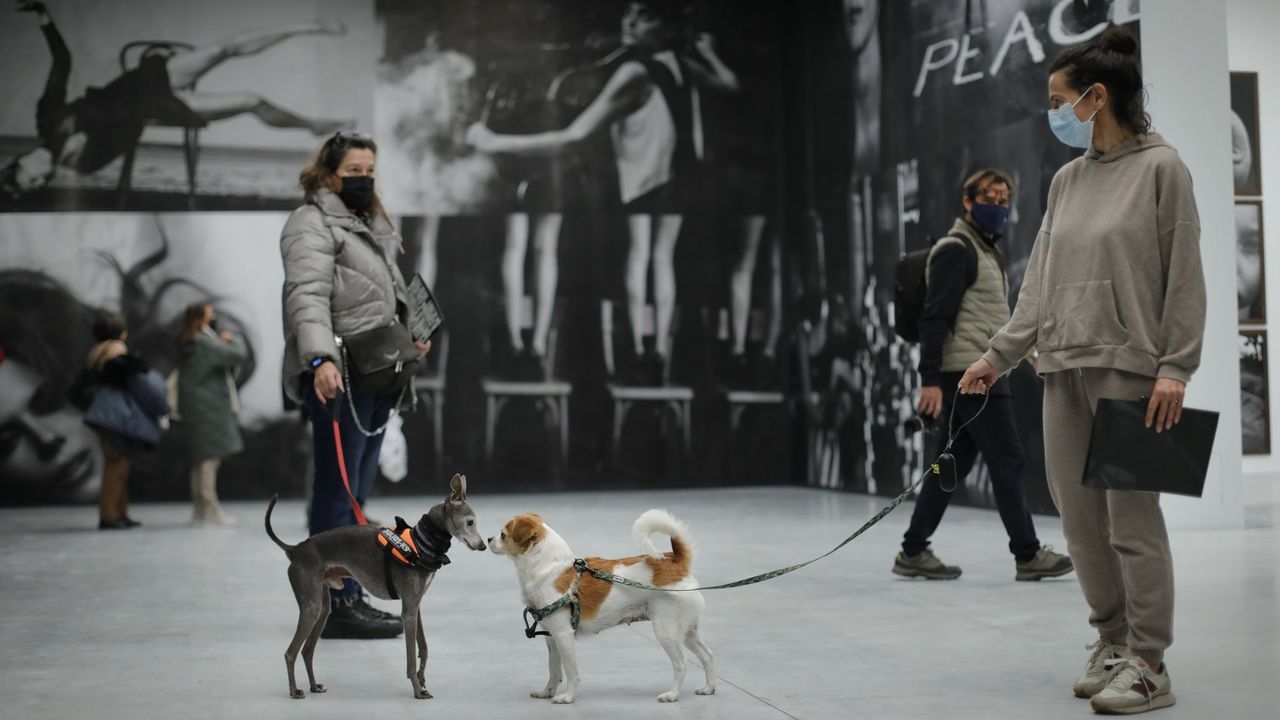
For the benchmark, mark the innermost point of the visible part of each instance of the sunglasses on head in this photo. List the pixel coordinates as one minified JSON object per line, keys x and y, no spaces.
{"x":352,"y":134}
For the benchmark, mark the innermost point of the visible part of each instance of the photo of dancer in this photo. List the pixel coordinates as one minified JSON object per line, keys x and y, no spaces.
{"x":92,"y":139}
{"x":539,"y":243}
{"x":650,"y":107}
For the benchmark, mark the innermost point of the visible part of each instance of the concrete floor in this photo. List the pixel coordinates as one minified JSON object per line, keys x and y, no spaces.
{"x":169,"y":621}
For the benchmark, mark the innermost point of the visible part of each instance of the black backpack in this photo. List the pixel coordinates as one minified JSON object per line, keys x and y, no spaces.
{"x":910,"y":287}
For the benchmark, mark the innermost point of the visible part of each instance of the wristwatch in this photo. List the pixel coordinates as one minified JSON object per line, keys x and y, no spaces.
{"x":318,"y":361}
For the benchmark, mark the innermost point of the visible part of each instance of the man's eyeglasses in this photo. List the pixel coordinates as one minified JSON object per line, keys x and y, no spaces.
{"x":992,"y":197}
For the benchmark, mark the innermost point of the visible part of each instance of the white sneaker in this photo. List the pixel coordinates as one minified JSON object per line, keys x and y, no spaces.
{"x":216,"y":519}
{"x":1100,"y":668}
{"x":1135,"y":688}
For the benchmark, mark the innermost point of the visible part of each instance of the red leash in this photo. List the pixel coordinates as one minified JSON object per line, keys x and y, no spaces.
{"x":335,"y":408}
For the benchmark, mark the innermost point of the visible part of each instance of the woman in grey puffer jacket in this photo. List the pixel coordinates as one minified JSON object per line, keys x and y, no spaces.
{"x":341,"y":279}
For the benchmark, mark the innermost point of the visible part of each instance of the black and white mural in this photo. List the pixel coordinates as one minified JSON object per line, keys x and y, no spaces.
{"x":604,"y":328}
{"x":663,"y":233}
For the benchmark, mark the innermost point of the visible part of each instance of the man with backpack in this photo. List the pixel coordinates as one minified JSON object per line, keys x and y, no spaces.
{"x":965,"y":302}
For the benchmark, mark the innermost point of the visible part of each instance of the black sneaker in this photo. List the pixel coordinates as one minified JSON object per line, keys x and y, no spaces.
{"x":121,"y":524}
{"x":361,"y":605}
{"x":653,"y":368}
{"x":345,"y":621}
{"x":529,"y":367}
{"x":738,"y":372}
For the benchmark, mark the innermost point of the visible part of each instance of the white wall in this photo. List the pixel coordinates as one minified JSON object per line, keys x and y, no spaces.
{"x":1251,"y":47}
{"x":1184,"y":59}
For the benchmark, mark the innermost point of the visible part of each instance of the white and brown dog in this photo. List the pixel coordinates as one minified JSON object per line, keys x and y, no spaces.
{"x":544,"y":564}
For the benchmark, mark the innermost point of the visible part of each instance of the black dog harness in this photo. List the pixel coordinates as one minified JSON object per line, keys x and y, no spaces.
{"x":423,"y":546}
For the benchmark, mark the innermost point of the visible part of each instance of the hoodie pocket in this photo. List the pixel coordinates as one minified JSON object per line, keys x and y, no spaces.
{"x":1083,"y":314}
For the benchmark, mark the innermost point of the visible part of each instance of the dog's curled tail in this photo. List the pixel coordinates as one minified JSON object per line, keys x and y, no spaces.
{"x":664,"y":522}
{"x":271,"y":533}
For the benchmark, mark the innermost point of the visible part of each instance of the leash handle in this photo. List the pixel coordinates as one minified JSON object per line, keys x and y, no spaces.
{"x":335,"y":411}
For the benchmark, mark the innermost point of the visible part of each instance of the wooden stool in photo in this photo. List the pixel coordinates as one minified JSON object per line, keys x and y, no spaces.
{"x":739,"y":399}
{"x":190,"y":131}
{"x":677,"y":399}
{"x":548,"y":395}
{"x":430,"y":388}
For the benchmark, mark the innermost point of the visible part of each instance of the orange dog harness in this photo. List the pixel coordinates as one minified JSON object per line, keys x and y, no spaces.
{"x":422,"y":546}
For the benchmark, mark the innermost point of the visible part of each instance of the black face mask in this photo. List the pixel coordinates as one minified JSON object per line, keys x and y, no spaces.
{"x":357,"y":192}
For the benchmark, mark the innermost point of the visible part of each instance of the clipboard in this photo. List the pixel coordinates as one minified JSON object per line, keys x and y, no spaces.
{"x":425,"y":317}
{"x":1125,"y":454}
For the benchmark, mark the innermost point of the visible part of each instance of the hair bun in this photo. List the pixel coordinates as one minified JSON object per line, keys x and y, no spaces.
{"x":1118,"y":39}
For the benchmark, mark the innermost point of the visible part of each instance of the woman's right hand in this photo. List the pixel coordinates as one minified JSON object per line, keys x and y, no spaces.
{"x":979,"y":378}
{"x":328,"y":382}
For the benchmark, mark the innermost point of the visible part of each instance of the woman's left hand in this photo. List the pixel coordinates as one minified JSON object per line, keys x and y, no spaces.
{"x":423,"y":347}
{"x":480,"y":137}
{"x":1165,"y":408}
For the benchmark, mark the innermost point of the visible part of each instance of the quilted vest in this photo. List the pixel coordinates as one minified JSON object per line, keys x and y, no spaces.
{"x":985,"y":307}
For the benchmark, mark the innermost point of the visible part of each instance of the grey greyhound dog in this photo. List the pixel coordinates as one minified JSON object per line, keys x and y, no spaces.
{"x":357,"y":551}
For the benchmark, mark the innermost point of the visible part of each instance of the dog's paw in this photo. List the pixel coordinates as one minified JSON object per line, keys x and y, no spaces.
{"x":562,"y":699}
{"x":669,"y":697}
{"x":423,"y":694}
{"x":543,"y":693}
{"x":297,"y":694}
{"x":707,"y":690}
{"x":318,"y":688}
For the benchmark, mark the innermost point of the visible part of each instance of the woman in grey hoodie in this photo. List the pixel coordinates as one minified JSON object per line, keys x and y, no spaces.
{"x":1112,"y":305}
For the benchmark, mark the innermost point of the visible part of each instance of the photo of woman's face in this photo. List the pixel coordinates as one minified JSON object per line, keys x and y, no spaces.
{"x":1248,"y":259}
{"x":860,"y":22}
{"x":49,"y":456}
{"x":641,"y":26}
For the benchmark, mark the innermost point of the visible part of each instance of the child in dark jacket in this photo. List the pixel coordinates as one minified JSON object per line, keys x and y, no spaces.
{"x":124,"y":401}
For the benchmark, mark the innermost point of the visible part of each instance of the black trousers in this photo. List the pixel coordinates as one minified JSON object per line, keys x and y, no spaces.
{"x":994,"y":433}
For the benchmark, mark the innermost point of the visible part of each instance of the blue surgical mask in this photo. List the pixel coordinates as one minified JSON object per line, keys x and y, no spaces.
{"x":1068,"y":128}
{"x":991,"y":218}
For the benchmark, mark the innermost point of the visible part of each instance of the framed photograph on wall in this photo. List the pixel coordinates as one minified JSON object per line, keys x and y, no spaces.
{"x":1255,"y":406}
{"x":1251,"y":291}
{"x":1246,"y":158}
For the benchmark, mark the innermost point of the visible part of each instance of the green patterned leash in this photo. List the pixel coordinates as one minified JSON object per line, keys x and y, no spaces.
{"x":935,"y":468}
{"x":532,"y":617}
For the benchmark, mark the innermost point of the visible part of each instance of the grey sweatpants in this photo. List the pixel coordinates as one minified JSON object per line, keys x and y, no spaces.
{"x":1116,"y":539}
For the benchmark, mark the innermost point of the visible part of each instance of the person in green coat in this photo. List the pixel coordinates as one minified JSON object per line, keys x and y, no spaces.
{"x":207,"y":407}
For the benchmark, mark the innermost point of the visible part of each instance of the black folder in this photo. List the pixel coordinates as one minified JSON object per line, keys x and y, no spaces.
{"x":1125,"y":454}
{"x":424,"y":312}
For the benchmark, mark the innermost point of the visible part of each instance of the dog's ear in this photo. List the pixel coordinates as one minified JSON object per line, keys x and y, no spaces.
{"x":525,"y":530}
{"x":458,"y":488}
